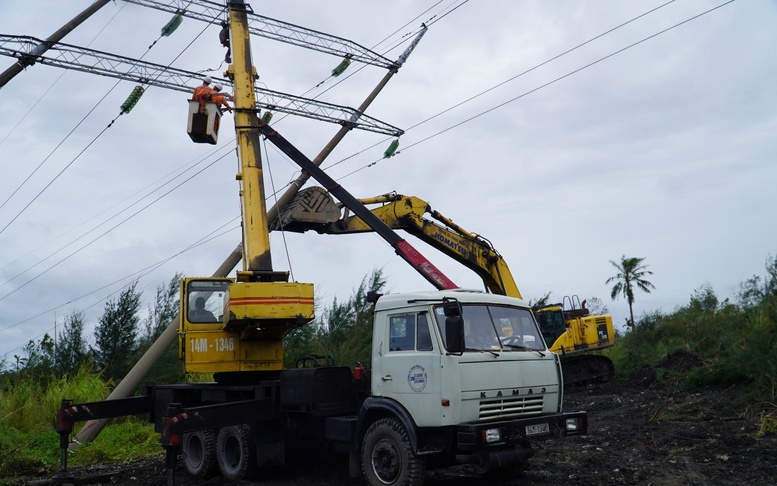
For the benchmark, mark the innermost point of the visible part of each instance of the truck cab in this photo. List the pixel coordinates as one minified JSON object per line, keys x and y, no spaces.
{"x":469,"y":377}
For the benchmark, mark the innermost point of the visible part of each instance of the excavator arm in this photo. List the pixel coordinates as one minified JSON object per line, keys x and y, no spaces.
{"x":314,"y":209}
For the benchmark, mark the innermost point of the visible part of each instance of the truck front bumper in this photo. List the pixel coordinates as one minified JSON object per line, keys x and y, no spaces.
{"x":499,"y":444}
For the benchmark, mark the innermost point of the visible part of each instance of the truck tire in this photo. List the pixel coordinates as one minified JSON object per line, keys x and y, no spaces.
{"x":388,"y":459}
{"x":236,"y":452}
{"x":199,"y":454}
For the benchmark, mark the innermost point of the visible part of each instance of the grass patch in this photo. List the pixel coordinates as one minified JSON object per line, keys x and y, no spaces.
{"x":29,"y":444}
{"x":768,"y":425}
{"x":31,"y":453}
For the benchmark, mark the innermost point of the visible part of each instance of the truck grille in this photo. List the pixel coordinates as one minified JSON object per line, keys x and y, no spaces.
{"x":510,"y":407}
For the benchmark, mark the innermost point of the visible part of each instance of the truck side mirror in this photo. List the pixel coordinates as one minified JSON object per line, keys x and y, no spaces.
{"x":454,"y":334}
{"x":451,"y":307}
{"x":454,"y":326}
{"x":372,"y":296}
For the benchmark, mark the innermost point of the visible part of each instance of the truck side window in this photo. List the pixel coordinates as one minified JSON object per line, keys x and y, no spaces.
{"x":424,"y":341}
{"x":402,"y":329}
{"x":409,"y":332}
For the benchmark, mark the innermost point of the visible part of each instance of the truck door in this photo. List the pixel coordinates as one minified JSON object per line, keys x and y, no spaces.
{"x":409,"y":369}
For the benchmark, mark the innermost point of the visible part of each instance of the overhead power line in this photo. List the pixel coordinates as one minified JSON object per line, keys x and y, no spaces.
{"x":276,"y":30}
{"x":533,"y":90}
{"x":112,"y":65}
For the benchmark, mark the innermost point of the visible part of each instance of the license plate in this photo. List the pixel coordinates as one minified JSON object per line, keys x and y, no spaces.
{"x":537,"y":429}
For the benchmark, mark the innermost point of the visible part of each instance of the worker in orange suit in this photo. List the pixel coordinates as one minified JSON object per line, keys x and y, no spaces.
{"x":220,"y":98}
{"x":203,"y":92}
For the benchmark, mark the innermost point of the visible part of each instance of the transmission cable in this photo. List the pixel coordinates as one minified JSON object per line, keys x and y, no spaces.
{"x":104,"y":129}
{"x":537,"y":88}
{"x":140,"y":274}
{"x":108,"y":219}
{"x":109,"y":230}
{"x":99,"y":134}
{"x":283,"y":233}
{"x":180,"y":168}
{"x":50,"y":87}
{"x":575,"y":71}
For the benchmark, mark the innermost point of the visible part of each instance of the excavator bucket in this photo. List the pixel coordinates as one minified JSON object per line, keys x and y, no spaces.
{"x":310,"y":208}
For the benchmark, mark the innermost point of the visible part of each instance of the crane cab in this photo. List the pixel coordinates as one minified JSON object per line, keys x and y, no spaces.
{"x":203,"y":125}
{"x":231,"y":326}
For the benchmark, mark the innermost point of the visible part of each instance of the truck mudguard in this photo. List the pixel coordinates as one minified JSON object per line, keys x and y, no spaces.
{"x":373,"y":409}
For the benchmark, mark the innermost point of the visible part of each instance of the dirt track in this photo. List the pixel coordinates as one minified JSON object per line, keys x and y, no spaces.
{"x":640,"y":433}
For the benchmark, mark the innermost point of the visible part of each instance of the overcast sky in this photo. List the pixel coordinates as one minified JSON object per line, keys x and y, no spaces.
{"x":663,"y":150}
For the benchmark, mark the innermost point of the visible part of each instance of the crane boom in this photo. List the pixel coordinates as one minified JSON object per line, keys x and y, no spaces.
{"x":120,"y":67}
{"x":274,"y":29}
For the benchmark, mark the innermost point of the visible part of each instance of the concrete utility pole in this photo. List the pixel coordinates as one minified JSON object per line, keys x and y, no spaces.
{"x":57,"y":36}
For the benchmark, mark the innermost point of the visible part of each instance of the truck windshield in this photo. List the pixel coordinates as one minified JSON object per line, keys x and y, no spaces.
{"x":496,"y":328}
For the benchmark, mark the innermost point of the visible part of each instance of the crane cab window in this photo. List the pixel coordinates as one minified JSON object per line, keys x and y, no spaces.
{"x":205,"y":300}
{"x":409,"y":332}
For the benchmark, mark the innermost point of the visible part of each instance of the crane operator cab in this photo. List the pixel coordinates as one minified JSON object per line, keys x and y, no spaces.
{"x":230,"y":326}
{"x":203,"y":126}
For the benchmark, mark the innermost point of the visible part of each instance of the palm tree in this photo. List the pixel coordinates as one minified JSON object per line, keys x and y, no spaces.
{"x":630,"y":273}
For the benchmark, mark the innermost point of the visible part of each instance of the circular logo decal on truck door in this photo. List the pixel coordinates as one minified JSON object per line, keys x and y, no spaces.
{"x":416,"y":378}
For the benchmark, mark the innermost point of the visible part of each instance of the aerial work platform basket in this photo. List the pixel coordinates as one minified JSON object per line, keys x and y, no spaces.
{"x":204,"y":127}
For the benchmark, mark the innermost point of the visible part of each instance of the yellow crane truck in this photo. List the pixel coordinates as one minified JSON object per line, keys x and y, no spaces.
{"x":456,"y":376}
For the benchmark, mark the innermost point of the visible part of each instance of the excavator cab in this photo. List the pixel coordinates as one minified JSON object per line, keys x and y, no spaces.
{"x":552,"y":324}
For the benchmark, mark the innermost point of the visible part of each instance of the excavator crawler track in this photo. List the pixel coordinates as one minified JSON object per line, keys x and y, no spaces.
{"x":582,"y":370}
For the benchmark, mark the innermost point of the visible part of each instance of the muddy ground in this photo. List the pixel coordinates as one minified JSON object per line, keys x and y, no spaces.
{"x":640,"y":432}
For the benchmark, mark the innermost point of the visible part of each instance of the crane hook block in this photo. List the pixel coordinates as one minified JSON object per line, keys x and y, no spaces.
{"x":170,"y":27}
{"x":132,"y":99}
{"x":392,"y":149}
{"x":341,"y":67}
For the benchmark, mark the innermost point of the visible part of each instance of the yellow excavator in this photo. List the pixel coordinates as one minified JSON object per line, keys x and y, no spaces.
{"x":568,"y":327}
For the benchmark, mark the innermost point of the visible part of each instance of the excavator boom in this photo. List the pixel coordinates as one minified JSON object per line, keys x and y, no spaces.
{"x":314,"y":210}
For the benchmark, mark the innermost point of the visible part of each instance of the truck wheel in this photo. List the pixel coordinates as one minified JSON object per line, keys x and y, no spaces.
{"x":236,"y":452}
{"x":388,"y":459}
{"x":199,"y":453}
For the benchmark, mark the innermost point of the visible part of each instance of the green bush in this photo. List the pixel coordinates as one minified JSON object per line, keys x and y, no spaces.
{"x":734,"y":346}
{"x":26,"y":405}
{"x":30,"y":445}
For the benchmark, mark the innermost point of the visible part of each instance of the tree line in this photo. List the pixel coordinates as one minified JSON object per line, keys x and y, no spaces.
{"x":736,"y":339}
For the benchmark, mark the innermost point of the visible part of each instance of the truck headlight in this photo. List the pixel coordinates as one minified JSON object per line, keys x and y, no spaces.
{"x":492,"y":435}
{"x":572,"y":425}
